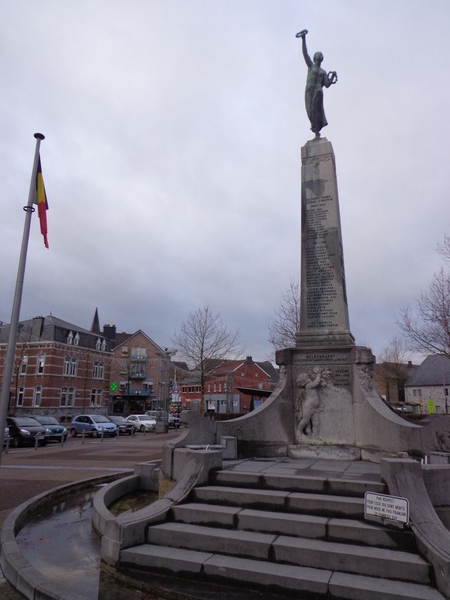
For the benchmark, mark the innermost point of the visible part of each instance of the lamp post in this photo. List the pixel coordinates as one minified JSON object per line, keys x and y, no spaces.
{"x":163,"y":386}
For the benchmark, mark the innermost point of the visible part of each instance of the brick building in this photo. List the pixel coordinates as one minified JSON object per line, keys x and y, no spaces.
{"x":231,"y":386}
{"x":138,"y":373}
{"x":59,"y":368}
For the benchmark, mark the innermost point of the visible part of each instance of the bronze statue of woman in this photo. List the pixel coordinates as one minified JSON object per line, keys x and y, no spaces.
{"x":316,"y":79}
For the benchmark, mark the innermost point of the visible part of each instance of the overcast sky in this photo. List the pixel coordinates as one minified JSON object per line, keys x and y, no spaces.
{"x":172,"y":156}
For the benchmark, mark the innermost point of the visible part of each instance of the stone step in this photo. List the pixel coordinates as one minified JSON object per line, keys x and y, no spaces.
{"x":376,"y":562}
{"x":299,"y":483}
{"x":313,"y":504}
{"x":210,"y":539}
{"x":349,"y":558}
{"x":306,"y":526}
{"x":271,"y":576}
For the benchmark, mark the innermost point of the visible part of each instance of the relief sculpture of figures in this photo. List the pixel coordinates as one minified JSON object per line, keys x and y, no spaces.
{"x":308,"y":400}
{"x":316,"y":79}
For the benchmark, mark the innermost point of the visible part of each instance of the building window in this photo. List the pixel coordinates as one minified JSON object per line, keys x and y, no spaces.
{"x":20,"y":395}
{"x":220,"y":387}
{"x":96,"y":397}
{"x":103,"y":345}
{"x":446,"y":391}
{"x":37,"y":394}
{"x":138,"y":353}
{"x":23,"y":365}
{"x":215,"y":387}
{"x":209,"y":388}
{"x":99,"y":370}
{"x":70,"y":338}
{"x":98,"y":344}
{"x":67,"y":396}
{"x":242,"y":374}
{"x":40,"y":364}
{"x":76,"y":339}
{"x":256,"y":374}
{"x":419,"y":393}
{"x":415,"y":393}
{"x":70,"y":366}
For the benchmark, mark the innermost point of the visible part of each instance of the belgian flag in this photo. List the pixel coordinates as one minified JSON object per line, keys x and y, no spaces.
{"x":41,"y":201}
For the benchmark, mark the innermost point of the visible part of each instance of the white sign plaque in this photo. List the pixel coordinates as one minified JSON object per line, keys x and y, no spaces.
{"x":386,"y":507}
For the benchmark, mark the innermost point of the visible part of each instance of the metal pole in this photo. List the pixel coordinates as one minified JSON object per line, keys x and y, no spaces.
{"x":15,"y":313}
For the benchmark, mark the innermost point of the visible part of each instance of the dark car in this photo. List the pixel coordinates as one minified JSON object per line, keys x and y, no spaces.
{"x":174,"y":421}
{"x":93,"y":425}
{"x":25,"y":430}
{"x":56,"y":429}
{"x":124,"y":426}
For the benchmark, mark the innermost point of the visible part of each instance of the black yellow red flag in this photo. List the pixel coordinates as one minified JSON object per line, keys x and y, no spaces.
{"x":41,"y":201}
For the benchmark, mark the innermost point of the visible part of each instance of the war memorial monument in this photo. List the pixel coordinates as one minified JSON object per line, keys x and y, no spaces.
{"x":323,"y":492}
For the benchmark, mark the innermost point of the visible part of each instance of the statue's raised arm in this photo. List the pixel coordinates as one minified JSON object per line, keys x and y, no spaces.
{"x":316,"y":79}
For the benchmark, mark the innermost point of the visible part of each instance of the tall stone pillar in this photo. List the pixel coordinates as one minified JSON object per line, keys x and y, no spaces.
{"x":324,"y":317}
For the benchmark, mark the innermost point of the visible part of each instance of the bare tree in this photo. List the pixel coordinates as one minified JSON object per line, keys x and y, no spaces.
{"x":444,"y":248}
{"x":428,"y":330}
{"x":286,"y":321}
{"x":204,"y":338}
{"x":393,"y":366}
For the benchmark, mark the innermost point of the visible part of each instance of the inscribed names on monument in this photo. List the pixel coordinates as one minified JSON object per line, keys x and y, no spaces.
{"x":323,"y":304}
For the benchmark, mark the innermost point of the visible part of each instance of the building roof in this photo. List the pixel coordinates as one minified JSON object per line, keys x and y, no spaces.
{"x":435,"y":370}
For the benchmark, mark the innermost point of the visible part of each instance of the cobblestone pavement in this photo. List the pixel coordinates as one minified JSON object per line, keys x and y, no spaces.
{"x":26,"y":472}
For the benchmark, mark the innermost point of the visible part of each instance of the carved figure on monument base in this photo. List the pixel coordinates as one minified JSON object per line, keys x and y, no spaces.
{"x":308,"y":403}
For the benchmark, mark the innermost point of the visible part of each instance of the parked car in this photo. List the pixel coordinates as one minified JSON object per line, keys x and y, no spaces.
{"x":125,"y":427}
{"x":93,"y":425}
{"x":174,"y":421}
{"x":55,"y":428}
{"x":142,"y":422}
{"x":171,"y":420}
{"x":25,"y":430}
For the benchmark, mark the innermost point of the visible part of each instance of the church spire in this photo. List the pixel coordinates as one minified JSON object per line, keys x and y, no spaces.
{"x":96,"y":323}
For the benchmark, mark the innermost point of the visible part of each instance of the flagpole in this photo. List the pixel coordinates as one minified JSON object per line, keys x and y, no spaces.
{"x":15,"y":313}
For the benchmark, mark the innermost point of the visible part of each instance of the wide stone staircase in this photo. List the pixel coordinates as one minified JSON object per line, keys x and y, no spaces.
{"x":287,"y":533}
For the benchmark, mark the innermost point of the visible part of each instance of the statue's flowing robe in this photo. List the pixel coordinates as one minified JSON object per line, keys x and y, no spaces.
{"x":315,"y":81}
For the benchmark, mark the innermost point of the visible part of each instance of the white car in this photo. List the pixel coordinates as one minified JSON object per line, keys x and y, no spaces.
{"x":143,"y":422}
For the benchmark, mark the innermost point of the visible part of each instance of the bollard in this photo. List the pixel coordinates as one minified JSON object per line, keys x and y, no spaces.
{"x":7,"y":445}
{"x":82,"y":437}
{"x":102,"y":434}
{"x":62,"y":440}
{"x":36,"y":441}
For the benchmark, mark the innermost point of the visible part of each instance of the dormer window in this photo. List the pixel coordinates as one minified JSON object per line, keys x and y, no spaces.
{"x":76,"y":339}
{"x":98,"y":344}
{"x":103,"y":345}
{"x":70,"y":338}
